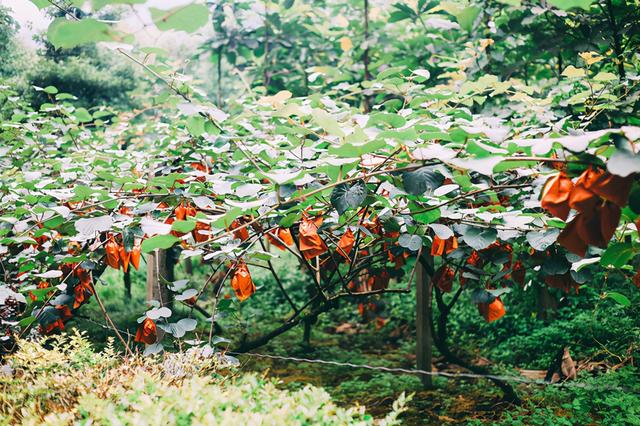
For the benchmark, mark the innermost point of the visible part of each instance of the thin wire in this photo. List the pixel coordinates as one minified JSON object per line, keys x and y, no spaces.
{"x":432,"y":373}
{"x":400,"y":370}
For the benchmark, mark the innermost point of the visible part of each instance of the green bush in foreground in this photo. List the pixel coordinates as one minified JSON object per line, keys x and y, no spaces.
{"x":71,"y":384}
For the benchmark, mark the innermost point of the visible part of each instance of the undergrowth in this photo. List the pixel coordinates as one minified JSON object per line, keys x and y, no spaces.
{"x":64,"y":381}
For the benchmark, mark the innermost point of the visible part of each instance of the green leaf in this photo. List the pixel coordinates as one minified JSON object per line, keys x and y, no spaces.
{"x":389,"y":72}
{"x":422,"y":180}
{"x":467,"y":16}
{"x":183,"y":226}
{"x":543,"y":239}
{"x":605,"y":76}
{"x":634,"y":199}
{"x":183,"y":18}
{"x":289,"y":219}
{"x":26,"y":322}
{"x":99,"y":4}
{"x":617,"y":255}
{"x":83,"y":192}
{"x":411,"y":242}
{"x":195,"y":125}
{"x":618,"y":297}
{"x":54,"y":222}
{"x":624,"y":163}
{"x":41,"y":4}
{"x":345,"y":196}
{"x":158,"y":242}
{"x":327,"y":122}
{"x":427,"y":217}
{"x":573,"y":72}
{"x":66,"y":34}
{"x":348,"y":150}
{"x":225,"y":220}
{"x":82,"y":115}
{"x":556,"y":265}
{"x":569,"y":4}
{"x":478,"y":238}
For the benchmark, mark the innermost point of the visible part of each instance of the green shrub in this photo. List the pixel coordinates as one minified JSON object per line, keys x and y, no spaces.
{"x":71,"y":383}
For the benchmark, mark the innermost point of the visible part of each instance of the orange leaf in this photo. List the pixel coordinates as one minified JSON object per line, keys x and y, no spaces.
{"x":311,"y":245}
{"x":555,"y":195}
{"x":64,"y":311}
{"x":380,"y":282}
{"x":373,"y":225}
{"x":180,"y":212}
{"x":52,"y":326}
{"x":443,"y":278}
{"x":451,"y":245}
{"x":492,"y":311}
{"x":241,"y":282}
{"x":570,"y":239}
{"x":440,"y":247}
{"x":519,"y":272}
{"x":588,"y":229}
{"x":582,"y":198}
{"x":82,"y":292}
{"x":113,"y":254}
{"x":345,"y":245}
{"x":563,"y":282}
{"x":613,"y":188}
{"x":197,"y":235}
{"x":147,"y":332}
{"x":437,"y":247}
{"x":135,"y":257}
{"x":609,"y":219}
{"x":474,"y":259}
{"x":124,"y":258}
{"x":241,"y":234}
{"x":282,"y":235}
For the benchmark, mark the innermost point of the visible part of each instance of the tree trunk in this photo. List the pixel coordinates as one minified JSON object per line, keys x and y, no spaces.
{"x":365,"y":55}
{"x":440,"y":341}
{"x":547,"y":304}
{"x":188,"y":266}
{"x":424,"y":340}
{"x":219,"y":69}
{"x":157,"y":277}
{"x":127,"y":284}
{"x":617,"y":40}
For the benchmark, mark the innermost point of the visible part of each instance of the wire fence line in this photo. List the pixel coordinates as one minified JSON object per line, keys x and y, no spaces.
{"x":446,"y":374}
{"x":413,"y":371}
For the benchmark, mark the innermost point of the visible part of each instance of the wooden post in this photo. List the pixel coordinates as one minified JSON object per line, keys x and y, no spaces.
{"x":156,"y":275}
{"x":424,"y":340}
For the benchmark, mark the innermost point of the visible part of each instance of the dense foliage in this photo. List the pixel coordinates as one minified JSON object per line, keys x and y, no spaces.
{"x":492,"y":143}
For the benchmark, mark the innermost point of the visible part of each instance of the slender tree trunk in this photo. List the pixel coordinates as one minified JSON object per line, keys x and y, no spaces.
{"x":219,"y":69}
{"x":265,"y":70}
{"x":424,"y":340}
{"x":559,"y":65}
{"x":308,"y":322}
{"x":617,"y":40}
{"x":365,"y":56}
{"x":440,"y":340}
{"x":127,"y":284}
{"x":547,"y":304}
{"x":188,"y":266}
